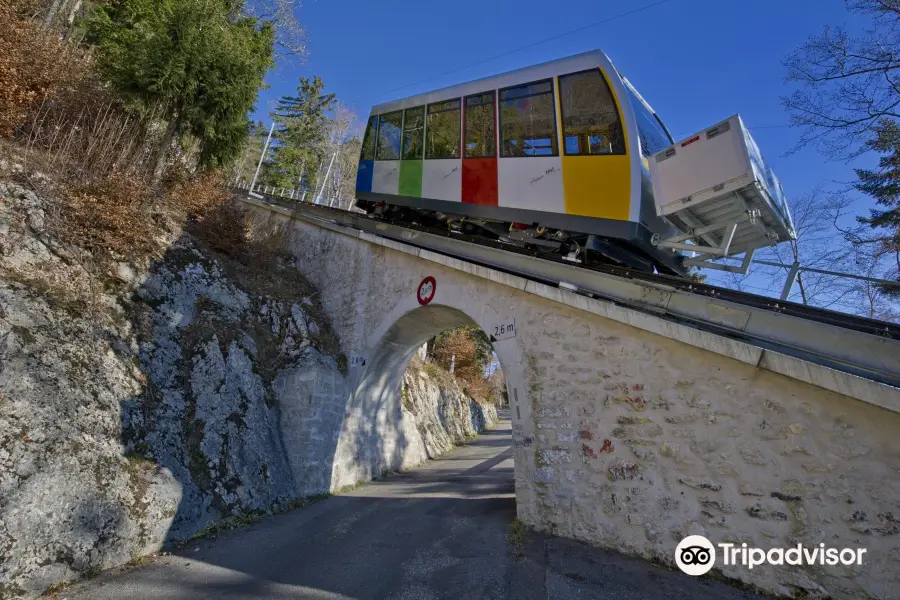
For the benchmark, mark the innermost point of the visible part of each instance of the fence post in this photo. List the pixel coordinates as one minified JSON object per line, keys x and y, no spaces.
{"x":789,"y":282}
{"x":262,"y":156}
{"x":327,"y":173}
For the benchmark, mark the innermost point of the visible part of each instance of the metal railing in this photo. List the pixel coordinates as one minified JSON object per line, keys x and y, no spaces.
{"x":297,"y":195}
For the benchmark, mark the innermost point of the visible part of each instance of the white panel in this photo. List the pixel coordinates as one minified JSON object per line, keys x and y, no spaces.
{"x":442,"y":179}
{"x":533,"y":183}
{"x":386,"y":177}
{"x":698,"y":166}
{"x":571,"y":64}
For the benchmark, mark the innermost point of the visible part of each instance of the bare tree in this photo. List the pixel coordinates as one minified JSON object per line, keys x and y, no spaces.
{"x":497,"y":383}
{"x":872,"y":299}
{"x":848,"y":84}
{"x":343,"y":146}
{"x":819,"y":245}
{"x":290,"y":37}
{"x":848,"y":103}
{"x":824,"y":242}
{"x":344,"y":181}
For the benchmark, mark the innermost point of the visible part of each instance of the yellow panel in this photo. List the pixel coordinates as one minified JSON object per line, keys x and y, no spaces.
{"x":596,"y":186}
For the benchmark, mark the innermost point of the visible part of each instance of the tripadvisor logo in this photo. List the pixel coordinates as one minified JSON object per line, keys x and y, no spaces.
{"x":696,"y":555}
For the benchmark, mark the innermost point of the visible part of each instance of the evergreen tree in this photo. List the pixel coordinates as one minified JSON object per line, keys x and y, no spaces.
{"x":200,"y":63}
{"x":883,"y":185}
{"x":300,"y":135}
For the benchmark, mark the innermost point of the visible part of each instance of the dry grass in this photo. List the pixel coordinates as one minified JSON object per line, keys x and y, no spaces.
{"x":109,"y":216}
{"x":35,"y":64}
{"x":459,"y":347}
{"x":84,"y":132}
{"x":118,"y":216}
{"x":70,"y":294}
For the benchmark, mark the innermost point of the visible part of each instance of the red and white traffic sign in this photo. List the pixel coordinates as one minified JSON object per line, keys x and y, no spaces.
{"x":427,"y":289}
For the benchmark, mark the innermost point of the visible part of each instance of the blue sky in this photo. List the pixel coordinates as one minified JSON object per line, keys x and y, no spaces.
{"x":695,"y":61}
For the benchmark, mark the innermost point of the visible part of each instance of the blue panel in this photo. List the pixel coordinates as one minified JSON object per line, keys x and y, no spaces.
{"x":364,"y":175}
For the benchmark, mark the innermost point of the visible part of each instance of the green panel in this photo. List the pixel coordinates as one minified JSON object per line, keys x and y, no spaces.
{"x":410,"y":178}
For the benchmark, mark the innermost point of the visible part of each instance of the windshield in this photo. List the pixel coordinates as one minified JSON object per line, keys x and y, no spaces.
{"x":654,"y":136}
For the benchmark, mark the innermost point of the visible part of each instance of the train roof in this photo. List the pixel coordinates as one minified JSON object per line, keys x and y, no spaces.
{"x":560,"y":66}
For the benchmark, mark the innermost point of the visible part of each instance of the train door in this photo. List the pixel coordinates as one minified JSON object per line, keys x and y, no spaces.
{"x":479,"y":165}
{"x":529,"y":167}
{"x":595,"y":163}
{"x":442,"y":169}
{"x":386,"y":173}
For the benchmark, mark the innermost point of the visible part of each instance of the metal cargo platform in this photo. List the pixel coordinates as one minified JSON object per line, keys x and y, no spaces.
{"x":718,"y":191}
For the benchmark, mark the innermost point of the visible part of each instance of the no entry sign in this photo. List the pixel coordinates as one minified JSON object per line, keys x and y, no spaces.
{"x":426,"y":291}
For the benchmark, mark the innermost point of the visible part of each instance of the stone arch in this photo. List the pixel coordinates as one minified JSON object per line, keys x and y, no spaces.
{"x":374,"y":436}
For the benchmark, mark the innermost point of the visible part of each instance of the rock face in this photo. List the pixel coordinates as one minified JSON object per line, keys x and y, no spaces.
{"x":143,"y":413}
{"x":443,"y":414}
{"x":213,"y":354}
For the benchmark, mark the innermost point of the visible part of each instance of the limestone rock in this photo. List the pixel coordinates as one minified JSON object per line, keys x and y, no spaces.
{"x":142,"y":420}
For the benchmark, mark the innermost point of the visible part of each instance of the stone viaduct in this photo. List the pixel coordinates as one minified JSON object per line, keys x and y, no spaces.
{"x":630,"y":431}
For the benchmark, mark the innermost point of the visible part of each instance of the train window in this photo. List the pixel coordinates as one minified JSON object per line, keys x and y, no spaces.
{"x":389,"y":129}
{"x":479,"y":127}
{"x":442,"y":131}
{"x":413,"y":133}
{"x":368,"y":145}
{"x":528,"y":120}
{"x":653,"y":135}
{"x":590,"y":120}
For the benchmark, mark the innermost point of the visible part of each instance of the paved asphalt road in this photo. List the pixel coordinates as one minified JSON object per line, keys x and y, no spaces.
{"x":436,"y":532}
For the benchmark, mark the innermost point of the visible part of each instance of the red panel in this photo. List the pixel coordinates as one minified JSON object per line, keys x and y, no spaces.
{"x":479,"y":181}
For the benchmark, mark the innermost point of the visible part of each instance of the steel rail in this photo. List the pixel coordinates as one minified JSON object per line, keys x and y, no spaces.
{"x":864,"y":347}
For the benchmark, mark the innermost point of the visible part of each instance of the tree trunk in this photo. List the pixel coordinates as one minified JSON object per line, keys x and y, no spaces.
{"x":70,"y":20}
{"x":51,"y":14}
{"x":160,"y":167}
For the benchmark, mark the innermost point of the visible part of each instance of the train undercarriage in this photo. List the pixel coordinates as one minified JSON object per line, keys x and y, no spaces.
{"x":580,"y":248}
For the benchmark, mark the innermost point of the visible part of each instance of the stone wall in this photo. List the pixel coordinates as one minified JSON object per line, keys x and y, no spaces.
{"x":629,"y":439}
{"x":637,"y":441}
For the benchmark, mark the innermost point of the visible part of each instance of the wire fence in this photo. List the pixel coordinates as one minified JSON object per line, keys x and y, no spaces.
{"x":298,"y":195}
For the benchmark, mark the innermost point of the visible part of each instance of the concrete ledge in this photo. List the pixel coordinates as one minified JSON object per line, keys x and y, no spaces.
{"x":343,"y":230}
{"x":853,"y":386}
{"x":392,"y":244}
{"x":737,"y":350}
{"x":513,"y":281}
{"x":862,"y":389}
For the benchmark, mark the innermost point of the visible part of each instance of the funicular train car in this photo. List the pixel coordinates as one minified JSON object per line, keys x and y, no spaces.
{"x":556,"y":157}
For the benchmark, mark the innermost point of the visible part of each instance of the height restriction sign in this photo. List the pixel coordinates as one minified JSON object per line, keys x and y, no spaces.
{"x":427,"y":289}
